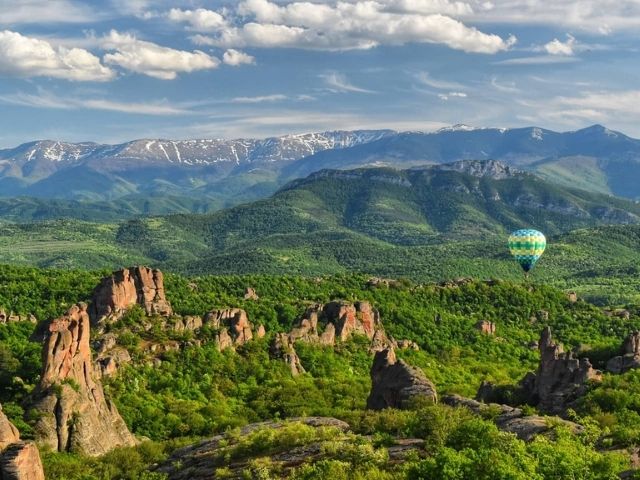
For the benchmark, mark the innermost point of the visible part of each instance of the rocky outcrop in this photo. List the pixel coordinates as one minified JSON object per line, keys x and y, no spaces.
{"x":394,"y":384}
{"x":250,"y":294}
{"x":11,"y":317}
{"x":200,"y":461}
{"x":510,"y":419}
{"x":74,"y":414}
{"x":282,"y":347}
{"x":233,"y":325}
{"x":18,"y":460}
{"x":486,"y":327}
{"x":560,"y":379}
{"x":125,"y":288}
{"x":630,"y":357}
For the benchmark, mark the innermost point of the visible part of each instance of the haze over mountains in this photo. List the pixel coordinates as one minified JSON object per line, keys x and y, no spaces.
{"x":164,"y":176}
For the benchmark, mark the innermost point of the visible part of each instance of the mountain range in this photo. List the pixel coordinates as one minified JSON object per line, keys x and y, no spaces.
{"x":166,"y":176}
{"x":426,"y":223}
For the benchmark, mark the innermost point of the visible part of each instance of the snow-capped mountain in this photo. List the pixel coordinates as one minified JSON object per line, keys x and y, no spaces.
{"x":193,"y":152}
{"x":232,"y":171}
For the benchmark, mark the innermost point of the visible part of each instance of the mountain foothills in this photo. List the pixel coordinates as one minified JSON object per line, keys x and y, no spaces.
{"x":427,"y":223}
{"x":206,"y":175}
{"x":140,"y":375}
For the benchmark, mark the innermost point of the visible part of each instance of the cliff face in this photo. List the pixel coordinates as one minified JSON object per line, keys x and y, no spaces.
{"x":75,"y":415}
{"x":125,"y":288}
{"x":18,"y":460}
{"x":395,"y":384}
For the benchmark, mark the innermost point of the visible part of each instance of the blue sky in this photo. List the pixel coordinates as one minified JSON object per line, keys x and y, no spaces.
{"x":117,"y":70}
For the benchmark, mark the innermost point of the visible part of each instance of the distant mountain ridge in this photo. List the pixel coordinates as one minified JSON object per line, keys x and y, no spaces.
{"x":227,"y":172}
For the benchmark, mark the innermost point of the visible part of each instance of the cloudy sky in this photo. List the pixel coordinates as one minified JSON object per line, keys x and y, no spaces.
{"x":115,"y":70}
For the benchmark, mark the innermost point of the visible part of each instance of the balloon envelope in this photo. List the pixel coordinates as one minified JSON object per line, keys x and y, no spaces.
{"x":527,"y":246}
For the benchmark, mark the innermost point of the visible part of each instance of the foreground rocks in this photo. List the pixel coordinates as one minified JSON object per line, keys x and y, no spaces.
{"x":395,"y":384}
{"x":560,"y":379}
{"x":199,"y":461}
{"x":510,"y":419}
{"x":18,"y":460}
{"x":630,"y":357}
{"x":74,"y":413}
{"x":126,"y":288}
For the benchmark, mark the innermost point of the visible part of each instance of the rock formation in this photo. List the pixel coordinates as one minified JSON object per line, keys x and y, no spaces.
{"x":282,"y":347}
{"x":630,"y":357}
{"x":486,"y":327}
{"x":233,"y":324}
{"x":560,"y":378}
{"x":250,"y":294}
{"x":74,"y":413}
{"x":394,"y":384}
{"x":18,"y":460}
{"x":125,"y":288}
{"x":510,"y":419}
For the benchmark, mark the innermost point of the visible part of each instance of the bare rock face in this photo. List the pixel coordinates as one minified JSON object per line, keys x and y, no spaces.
{"x":233,"y":323}
{"x":21,"y":461}
{"x":560,"y":378}
{"x":486,"y":327}
{"x":282,"y":347}
{"x":396,"y":384}
{"x":250,"y":294}
{"x":359,"y":318}
{"x":630,"y":357}
{"x":510,"y":419}
{"x":125,"y":288}
{"x":8,"y":433}
{"x":18,"y":460}
{"x":75,"y":415}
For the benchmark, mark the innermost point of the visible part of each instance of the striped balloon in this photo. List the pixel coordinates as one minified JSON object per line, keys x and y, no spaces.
{"x":527,"y":246}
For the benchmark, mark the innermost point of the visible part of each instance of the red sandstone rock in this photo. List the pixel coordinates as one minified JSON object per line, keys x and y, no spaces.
{"x":74,"y":413}
{"x":125,"y":288}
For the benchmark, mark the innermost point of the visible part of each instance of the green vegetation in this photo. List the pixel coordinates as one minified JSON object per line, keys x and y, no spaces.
{"x":446,"y":225}
{"x":197,"y":391}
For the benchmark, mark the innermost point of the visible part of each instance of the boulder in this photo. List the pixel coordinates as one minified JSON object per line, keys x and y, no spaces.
{"x":74,"y":414}
{"x":261,"y":332}
{"x":394,"y":384}
{"x":282,"y":347}
{"x":125,"y":288}
{"x":630,"y":357}
{"x":560,"y":379}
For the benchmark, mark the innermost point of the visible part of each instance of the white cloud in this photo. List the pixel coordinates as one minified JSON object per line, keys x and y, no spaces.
{"x":261,"y":99}
{"x":200,"y":19}
{"x":14,"y":12}
{"x":594,"y":16}
{"x":344,"y":25}
{"x":154,"y":60}
{"x":618,"y":102}
{"x":235,"y":58}
{"x":538,"y":60}
{"x":47,"y":100}
{"x":557,"y":47}
{"x":339,"y":83}
{"x":23,"y":56}
{"x":426,"y":79}
{"x":447,"y":96}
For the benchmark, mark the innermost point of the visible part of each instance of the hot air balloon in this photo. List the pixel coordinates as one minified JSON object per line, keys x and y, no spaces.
{"x":527,"y":246}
